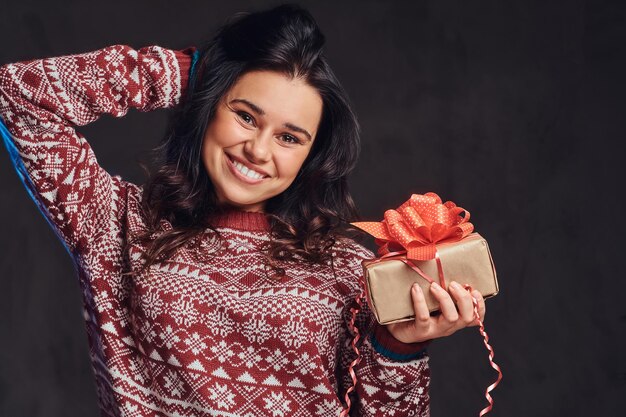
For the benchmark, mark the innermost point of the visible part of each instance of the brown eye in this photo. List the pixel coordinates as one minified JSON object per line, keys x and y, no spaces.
{"x":246,"y":117}
{"x":290,"y":139}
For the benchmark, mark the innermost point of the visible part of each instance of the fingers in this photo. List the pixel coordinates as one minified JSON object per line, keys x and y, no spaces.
{"x":462,"y":314}
{"x":465,"y":304}
{"x":422,"y":314}
{"x":446,"y":305}
{"x":456,"y":308}
{"x":419,"y":329}
{"x":481,"y":306}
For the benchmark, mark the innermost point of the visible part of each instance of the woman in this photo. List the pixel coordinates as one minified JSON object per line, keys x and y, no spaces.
{"x":226,"y":285}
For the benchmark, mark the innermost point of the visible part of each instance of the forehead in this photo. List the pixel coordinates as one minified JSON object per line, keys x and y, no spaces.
{"x":283,"y":99}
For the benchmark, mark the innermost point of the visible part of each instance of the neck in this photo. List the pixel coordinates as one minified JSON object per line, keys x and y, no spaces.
{"x":238,"y":218}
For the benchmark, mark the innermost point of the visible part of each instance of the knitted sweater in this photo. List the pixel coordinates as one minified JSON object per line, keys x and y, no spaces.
{"x":206,"y":332}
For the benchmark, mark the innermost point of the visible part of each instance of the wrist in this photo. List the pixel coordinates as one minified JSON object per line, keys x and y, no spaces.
{"x":387,"y":345}
{"x":185,"y":59}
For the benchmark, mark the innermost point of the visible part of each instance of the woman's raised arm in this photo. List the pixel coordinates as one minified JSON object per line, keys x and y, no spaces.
{"x":41,"y":100}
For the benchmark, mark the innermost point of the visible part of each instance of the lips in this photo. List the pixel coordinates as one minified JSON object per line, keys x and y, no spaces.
{"x":231,"y":165}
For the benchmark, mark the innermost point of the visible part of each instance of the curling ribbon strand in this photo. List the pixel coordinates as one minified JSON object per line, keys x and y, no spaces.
{"x":356,"y":361}
{"x":495,"y":366}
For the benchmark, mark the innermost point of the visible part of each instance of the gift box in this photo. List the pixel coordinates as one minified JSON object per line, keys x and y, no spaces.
{"x":388,"y":282}
{"x":421,"y":241}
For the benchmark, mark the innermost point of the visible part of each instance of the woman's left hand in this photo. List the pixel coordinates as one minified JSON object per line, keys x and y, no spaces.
{"x":451,"y":319}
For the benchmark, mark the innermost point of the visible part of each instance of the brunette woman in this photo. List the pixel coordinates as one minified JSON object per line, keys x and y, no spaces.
{"x":226,"y":284}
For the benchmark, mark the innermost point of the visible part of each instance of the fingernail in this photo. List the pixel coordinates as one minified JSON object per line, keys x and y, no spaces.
{"x":455,"y":285}
{"x":414,"y":287}
{"x":435,"y":286}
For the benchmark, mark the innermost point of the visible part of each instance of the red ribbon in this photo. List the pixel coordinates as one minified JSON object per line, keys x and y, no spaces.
{"x":418,"y":225}
{"x":410,"y":233}
{"x":357,"y":360}
{"x":483,"y":332}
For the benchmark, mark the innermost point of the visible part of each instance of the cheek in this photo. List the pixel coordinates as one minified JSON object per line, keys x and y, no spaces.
{"x":289,"y":163}
{"x":223,"y":132}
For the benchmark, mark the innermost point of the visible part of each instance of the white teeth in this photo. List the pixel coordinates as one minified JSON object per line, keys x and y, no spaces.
{"x":247,"y":172}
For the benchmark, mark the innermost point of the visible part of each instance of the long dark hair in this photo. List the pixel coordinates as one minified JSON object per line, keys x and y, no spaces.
{"x":308,"y":217}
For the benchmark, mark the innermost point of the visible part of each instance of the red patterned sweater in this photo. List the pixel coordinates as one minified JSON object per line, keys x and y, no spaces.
{"x":198,"y":334}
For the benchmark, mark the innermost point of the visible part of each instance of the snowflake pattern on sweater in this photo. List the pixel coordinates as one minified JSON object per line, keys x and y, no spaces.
{"x":205,"y":332}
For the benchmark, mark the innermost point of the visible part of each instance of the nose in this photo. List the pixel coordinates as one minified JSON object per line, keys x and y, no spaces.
{"x":258,"y":148}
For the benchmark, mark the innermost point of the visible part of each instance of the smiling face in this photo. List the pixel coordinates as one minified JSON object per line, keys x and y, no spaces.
{"x":262,"y":131}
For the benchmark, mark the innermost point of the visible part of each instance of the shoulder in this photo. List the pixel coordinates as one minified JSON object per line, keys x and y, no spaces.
{"x":347,"y":247}
{"x":348,"y":256}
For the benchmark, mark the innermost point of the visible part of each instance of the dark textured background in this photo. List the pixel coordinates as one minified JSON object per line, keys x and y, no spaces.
{"x":512,"y":109}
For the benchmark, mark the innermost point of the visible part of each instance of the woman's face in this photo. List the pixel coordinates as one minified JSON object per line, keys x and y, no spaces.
{"x":262,"y":131}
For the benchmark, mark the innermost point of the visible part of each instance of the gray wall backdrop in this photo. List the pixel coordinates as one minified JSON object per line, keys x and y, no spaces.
{"x":512,"y":109}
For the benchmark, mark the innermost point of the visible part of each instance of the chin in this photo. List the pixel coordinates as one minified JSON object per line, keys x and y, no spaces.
{"x":241,"y":201}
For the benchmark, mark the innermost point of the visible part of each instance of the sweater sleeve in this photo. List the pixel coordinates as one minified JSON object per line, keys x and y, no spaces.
{"x":393,"y":377}
{"x":41,"y":102}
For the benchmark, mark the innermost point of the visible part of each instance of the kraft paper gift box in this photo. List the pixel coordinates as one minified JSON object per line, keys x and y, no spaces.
{"x":388,"y":282}
{"x":418,"y":232}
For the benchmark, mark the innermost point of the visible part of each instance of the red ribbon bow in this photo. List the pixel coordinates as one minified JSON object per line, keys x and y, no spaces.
{"x":418,"y":225}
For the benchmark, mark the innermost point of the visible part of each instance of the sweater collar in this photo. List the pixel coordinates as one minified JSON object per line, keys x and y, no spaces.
{"x":236,"y":218}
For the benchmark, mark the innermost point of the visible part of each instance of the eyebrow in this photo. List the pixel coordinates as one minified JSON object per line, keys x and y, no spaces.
{"x":261,"y":112}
